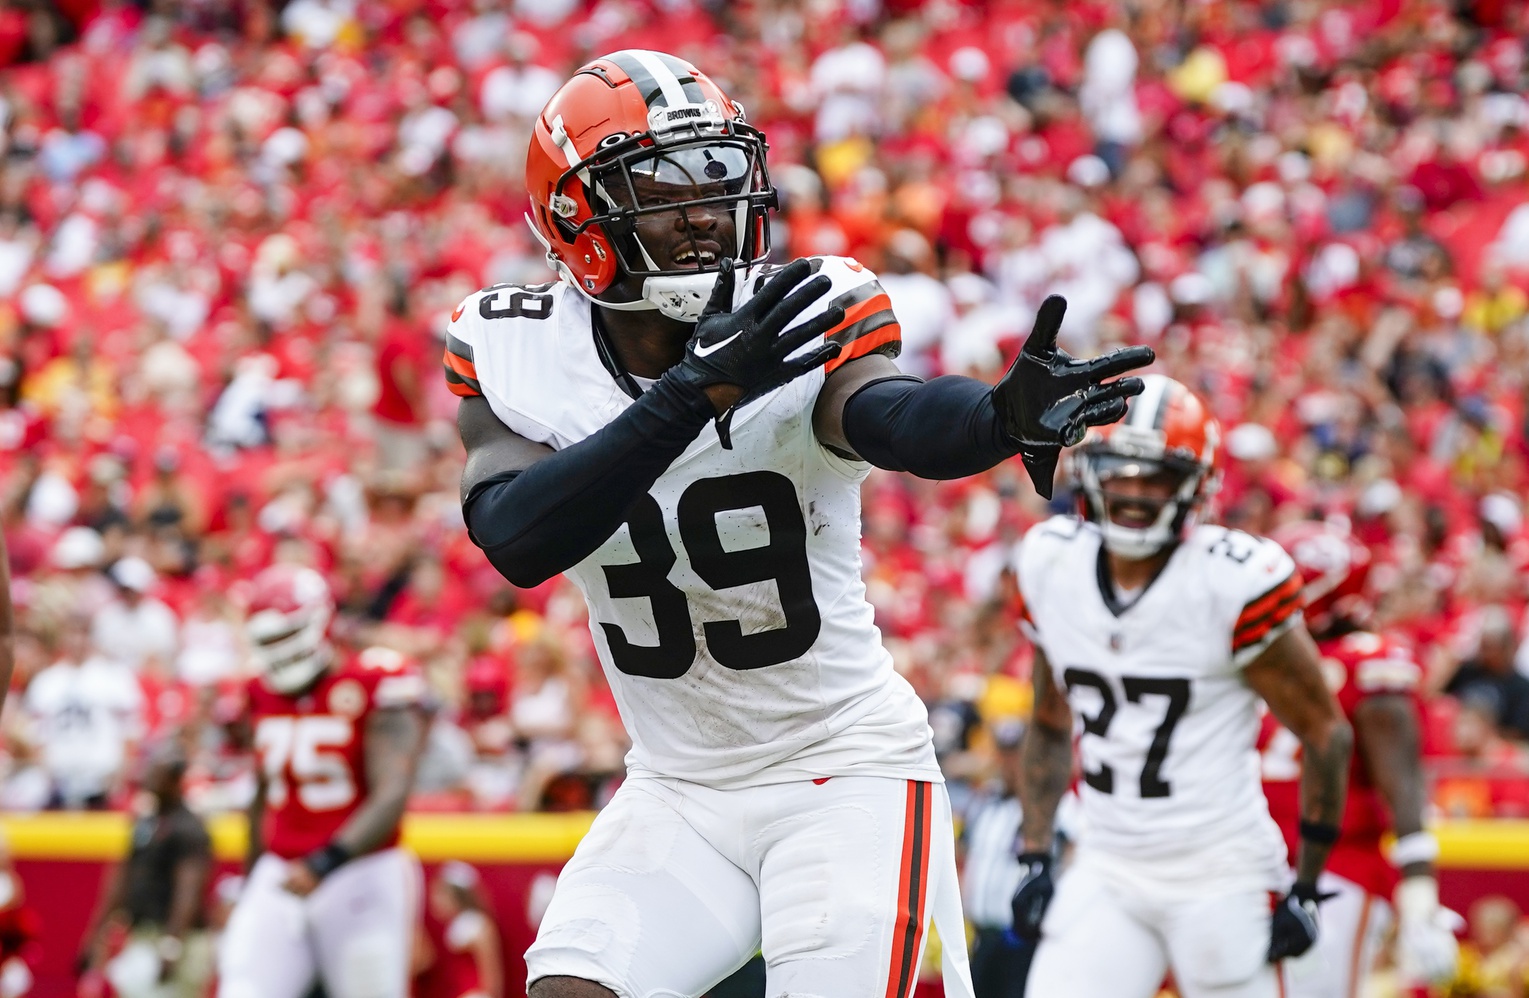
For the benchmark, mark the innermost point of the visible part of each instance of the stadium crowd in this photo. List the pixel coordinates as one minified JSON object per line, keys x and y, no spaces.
{"x":231,"y":232}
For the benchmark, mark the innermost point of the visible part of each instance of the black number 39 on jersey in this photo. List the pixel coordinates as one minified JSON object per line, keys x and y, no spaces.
{"x":782,"y":560}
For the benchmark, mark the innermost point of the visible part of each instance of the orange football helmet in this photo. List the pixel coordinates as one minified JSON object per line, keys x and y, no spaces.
{"x":632,"y":134}
{"x":1167,"y":428}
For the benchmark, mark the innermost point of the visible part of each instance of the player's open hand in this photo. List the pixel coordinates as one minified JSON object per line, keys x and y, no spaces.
{"x":1048,"y":399}
{"x":747,"y":349}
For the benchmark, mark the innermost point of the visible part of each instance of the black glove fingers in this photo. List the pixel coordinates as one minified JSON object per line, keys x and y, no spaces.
{"x":810,"y":362}
{"x":1041,"y":342}
{"x":1103,"y":413}
{"x":810,"y":330}
{"x":721,"y":299}
{"x":777,"y":288}
{"x":1121,"y":389}
{"x":1118,"y":362}
{"x":781,"y":315}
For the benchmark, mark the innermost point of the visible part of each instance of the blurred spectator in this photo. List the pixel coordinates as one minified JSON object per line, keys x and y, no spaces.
{"x":495,"y":770}
{"x":1108,"y":96}
{"x":461,"y":940}
{"x":85,"y":712}
{"x":1489,"y":680}
{"x":211,"y":640}
{"x":20,"y":933}
{"x":544,"y":713}
{"x":1493,"y":961}
{"x":443,"y":780}
{"x":135,"y":626}
{"x":405,"y":365}
{"x":157,"y":896}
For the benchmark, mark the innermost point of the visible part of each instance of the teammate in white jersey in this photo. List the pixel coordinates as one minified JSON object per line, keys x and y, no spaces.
{"x":1160,"y":636}
{"x":783,"y":789}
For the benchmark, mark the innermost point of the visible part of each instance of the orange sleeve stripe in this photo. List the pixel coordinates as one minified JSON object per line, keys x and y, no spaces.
{"x":860,"y":310}
{"x":461,"y":375}
{"x":1261,"y":605}
{"x":1257,"y":632}
{"x":880,"y":339}
{"x":460,"y":365}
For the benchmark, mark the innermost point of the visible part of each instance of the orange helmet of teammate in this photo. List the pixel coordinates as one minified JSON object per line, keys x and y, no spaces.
{"x":287,"y":621}
{"x":1335,"y":565}
{"x":632,"y":135}
{"x":1167,"y":431}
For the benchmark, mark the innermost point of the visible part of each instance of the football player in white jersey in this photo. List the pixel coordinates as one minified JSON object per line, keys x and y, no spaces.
{"x":682,"y":430}
{"x":1159,"y":636}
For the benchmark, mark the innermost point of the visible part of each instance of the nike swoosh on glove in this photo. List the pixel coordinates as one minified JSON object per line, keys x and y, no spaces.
{"x":748,"y":348}
{"x":1034,"y":894}
{"x":1427,"y":951}
{"x":1048,"y":399}
{"x":1295,"y":924}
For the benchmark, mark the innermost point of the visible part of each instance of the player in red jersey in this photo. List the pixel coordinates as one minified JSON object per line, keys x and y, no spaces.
{"x":1376,"y":682}
{"x":330,"y":897}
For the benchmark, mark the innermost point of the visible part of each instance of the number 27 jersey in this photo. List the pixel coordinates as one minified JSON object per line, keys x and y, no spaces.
{"x":728,"y":610}
{"x":1168,"y":725}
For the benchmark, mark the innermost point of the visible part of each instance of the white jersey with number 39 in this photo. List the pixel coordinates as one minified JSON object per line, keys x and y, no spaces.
{"x":1167,"y":726}
{"x":728,"y":610}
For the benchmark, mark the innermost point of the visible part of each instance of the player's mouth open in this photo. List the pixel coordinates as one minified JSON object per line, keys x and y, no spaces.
{"x":705,"y":255}
{"x":1133,"y":514}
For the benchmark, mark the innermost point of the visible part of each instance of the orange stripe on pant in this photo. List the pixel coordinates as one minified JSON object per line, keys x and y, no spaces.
{"x":912,"y":891}
{"x":1354,"y":969}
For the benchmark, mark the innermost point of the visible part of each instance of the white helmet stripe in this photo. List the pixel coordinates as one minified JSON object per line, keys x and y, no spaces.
{"x":1145,"y":407}
{"x":673,"y":90}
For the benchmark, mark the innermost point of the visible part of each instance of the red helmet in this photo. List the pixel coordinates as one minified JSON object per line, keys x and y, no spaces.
{"x":632,"y":134}
{"x":1335,"y":566}
{"x":287,"y":621}
{"x":1166,"y":428}
{"x":487,"y":679}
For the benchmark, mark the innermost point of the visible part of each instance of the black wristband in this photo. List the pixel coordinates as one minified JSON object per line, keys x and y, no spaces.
{"x":326,"y":859}
{"x":1319,"y":833}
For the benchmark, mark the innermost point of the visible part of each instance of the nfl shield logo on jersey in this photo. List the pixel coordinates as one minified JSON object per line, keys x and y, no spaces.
{"x":347,"y":698}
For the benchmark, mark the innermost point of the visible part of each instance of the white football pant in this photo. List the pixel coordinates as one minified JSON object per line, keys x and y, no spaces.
{"x":1102,"y":938}
{"x":678,"y":885}
{"x":354,"y":933}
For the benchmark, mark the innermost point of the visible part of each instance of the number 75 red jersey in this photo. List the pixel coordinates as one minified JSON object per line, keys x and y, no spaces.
{"x":311,"y":748}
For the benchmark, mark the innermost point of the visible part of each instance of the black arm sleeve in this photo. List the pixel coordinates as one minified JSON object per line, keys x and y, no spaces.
{"x":945,"y":428}
{"x":545,"y":519}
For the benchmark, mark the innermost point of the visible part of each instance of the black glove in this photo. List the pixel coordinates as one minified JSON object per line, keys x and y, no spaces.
{"x":1295,"y":924}
{"x":1048,"y":399}
{"x":1034,"y":894}
{"x":745,"y":348}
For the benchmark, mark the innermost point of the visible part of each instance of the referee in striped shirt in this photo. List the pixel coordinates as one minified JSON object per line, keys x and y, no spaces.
{"x":991,"y":874}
